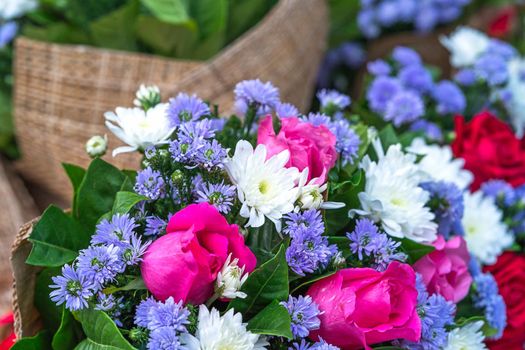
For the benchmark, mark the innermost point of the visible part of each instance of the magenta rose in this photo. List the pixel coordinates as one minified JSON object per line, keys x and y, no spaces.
{"x":362,"y":306}
{"x":184,"y":263}
{"x":310,"y":146}
{"x":445,"y":270}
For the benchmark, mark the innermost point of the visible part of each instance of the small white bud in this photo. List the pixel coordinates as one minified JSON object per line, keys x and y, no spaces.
{"x":147,"y":96}
{"x":311,"y":197}
{"x":97,"y":146}
{"x":230,"y":280}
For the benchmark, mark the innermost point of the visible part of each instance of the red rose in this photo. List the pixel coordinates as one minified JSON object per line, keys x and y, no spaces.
{"x":490,"y":150}
{"x":509,"y":272}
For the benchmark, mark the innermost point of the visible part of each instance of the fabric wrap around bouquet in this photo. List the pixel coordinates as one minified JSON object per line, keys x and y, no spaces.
{"x":62,"y":91}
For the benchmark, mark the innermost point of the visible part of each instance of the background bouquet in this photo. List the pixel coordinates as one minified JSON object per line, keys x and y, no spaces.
{"x":276,"y":230}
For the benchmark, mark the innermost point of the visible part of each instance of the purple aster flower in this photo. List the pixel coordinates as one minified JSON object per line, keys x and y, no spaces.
{"x":211,"y":155}
{"x":449,"y":98}
{"x":379,"y":67}
{"x":155,"y":226}
{"x":168,"y":314}
{"x":501,"y":191}
{"x":492,"y":68}
{"x":8,"y":32}
{"x":110,"y":305}
{"x":431,"y":130}
{"x":118,"y":231}
{"x":331,"y":99}
{"x":446,"y":202}
{"x":347,"y":141}
{"x":263,"y":96}
{"x":150,"y":152}
{"x":303,"y":345}
{"x":72,"y":289}
{"x":100,"y":264}
{"x":426,"y":19}
{"x":407,"y":10}
{"x":150,"y":184}
{"x":436,"y":314}
{"x":309,"y":220}
{"x":405,"y":56}
{"x":386,"y":251}
{"x":329,"y":64}
{"x":488,"y":299}
{"x":304,"y":314}
{"x":317,"y":119}
{"x":387,"y":13}
{"x":323,"y":345}
{"x":184,"y":151}
{"x":286,"y":110}
{"x":362,"y":238}
{"x":416,"y":77}
{"x":185,"y":108}
{"x":367,"y":23}
{"x":466,"y":77}
{"x":352,"y":54}
{"x":220,"y":195}
{"x":199,"y":130}
{"x":164,"y":339}
{"x":382,"y":90}
{"x":142,"y":314}
{"x":501,"y":48}
{"x":308,"y":253}
{"x":403,"y":108}
{"x":131,"y":253}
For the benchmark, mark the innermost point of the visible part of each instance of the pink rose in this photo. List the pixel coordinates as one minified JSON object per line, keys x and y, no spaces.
{"x":361,"y":306}
{"x":445,"y":270}
{"x":184,"y":263}
{"x":310,"y":146}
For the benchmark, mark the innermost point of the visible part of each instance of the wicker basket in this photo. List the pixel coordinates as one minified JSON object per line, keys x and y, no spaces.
{"x":62,"y":91}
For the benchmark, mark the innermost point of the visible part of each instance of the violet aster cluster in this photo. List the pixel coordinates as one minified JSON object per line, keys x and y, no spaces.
{"x":367,"y":242}
{"x":320,"y":345}
{"x":114,"y":246}
{"x":165,"y":321}
{"x":149,"y":183}
{"x":286,"y":110}
{"x":309,"y":249}
{"x":264,"y":97}
{"x":154,"y":226}
{"x":219,"y":195}
{"x":8,"y":32}
{"x":332,"y":99}
{"x":436,"y":314}
{"x":304,"y":314}
{"x":487,"y":298}
{"x":446,"y":202}
{"x":377,"y":15}
{"x":110,"y":305}
{"x":349,"y":56}
{"x":185,"y":108}
{"x":403,"y":92}
{"x":511,"y":202}
{"x":347,"y":141}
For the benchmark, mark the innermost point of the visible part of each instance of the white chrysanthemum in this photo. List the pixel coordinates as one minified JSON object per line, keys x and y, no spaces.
{"x":392,"y":196}
{"x":485,"y":233}
{"x":465,"y":45}
{"x":230,"y":280}
{"x":139,"y":129}
{"x":227,"y":332}
{"x":97,"y":146}
{"x":10,"y":9}
{"x":438,"y":164}
{"x":468,"y":337}
{"x":515,"y":104}
{"x":311,"y":195}
{"x":265,"y":187}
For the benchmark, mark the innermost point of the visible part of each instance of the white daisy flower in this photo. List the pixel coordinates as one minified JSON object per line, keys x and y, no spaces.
{"x":465,"y":45}
{"x":515,"y":103}
{"x":227,"y":332}
{"x":139,"y":129}
{"x":393,"y":198}
{"x":265,"y":187}
{"x":230,"y":280}
{"x":468,"y":337}
{"x":485,"y":233}
{"x":438,"y":164}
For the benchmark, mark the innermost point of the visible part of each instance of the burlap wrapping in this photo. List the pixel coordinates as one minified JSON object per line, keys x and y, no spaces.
{"x":62,"y":91}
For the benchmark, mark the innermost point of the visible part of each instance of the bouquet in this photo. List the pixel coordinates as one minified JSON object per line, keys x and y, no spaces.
{"x":268,"y":230}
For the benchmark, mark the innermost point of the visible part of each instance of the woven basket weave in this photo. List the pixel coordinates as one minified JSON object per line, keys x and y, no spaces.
{"x":62,"y":91}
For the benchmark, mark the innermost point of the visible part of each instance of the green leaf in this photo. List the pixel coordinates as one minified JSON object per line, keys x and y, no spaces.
{"x":136,"y":284}
{"x":362,"y":131}
{"x":76,"y":175}
{"x":338,"y":219}
{"x":265,"y":284}
{"x":100,"y":329}
{"x":41,"y":341}
{"x":69,"y":333}
{"x":243,"y":14}
{"x":312,"y":280}
{"x":82,"y":12}
{"x":169,"y":11}
{"x":97,"y":192}
{"x":273,"y":320}
{"x":88,"y":344}
{"x":50,"y":313}
{"x":388,"y":137}
{"x":56,"y":239}
{"x":211,"y":16}
{"x":263,"y":240}
{"x":414,"y":250}
{"x":125,"y":201}
{"x":116,"y":30}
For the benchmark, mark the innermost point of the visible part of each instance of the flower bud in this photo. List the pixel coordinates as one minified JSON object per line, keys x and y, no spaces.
{"x":147,"y":97}
{"x":230,"y":280}
{"x":97,"y":146}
